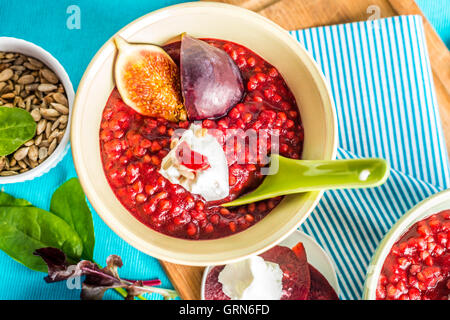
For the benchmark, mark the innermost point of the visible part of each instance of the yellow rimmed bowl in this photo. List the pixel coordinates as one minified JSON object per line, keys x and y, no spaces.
{"x":208,"y":20}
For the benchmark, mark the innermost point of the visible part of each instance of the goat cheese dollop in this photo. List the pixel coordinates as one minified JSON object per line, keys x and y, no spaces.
{"x":252,"y":279}
{"x":197,"y":162}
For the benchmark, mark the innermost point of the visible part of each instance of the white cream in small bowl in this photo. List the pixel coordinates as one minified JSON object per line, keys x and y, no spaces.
{"x":252,"y":279}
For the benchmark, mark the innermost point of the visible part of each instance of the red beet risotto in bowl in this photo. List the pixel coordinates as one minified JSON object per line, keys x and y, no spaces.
{"x":133,"y":147}
{"x":165,"y":131}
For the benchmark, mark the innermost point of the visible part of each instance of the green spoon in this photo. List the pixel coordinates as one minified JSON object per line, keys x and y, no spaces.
{"x":295,"y":176}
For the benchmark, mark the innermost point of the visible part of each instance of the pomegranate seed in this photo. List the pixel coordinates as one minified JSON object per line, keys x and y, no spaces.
{"x":247,"y":117}
{"x":268,"y":93}
{"x":233,"y":55}
{"x":156,"y":161}
{"x":232,"y":226}
{"x":224,"y":211}
{"x":164,"y":205}
{"x":200,"y":206}
{"x":209,"y":228}
{"x":241,"y":62}
{"x":276,"y":98}
{"x":214,"y":219}
{"x":141,"y":198}
{"x":252,"y":86}
{"x":251,"y":61}
{"x":191,"y":229}
{"x":273,"y":72}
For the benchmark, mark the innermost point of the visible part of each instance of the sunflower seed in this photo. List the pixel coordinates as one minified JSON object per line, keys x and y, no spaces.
{"x":26,"y":79}
{"x":60,"y":98}
{"x":18,"y":68}
{"x":35,"y":62}
{"x":31,"y":87}
{"x":43,"y":151}
{"x":9,"y":95}
{"x":41,"y":126}
{"x":2,"y":163}
{"x":38,"y":140}
{"x":53,"y":135}
{"x":60,"y":108}
{"x":52,"y":146}
{"x":49,"y":76}
{"x":36,"y":115}
{"x":45,"y":87}
{"x":48,"y":129}
{"x":63,"y":119}
{"x":33,"y":164}
{"x":22,"y":164}
{"x":33,"y":153}
{"x":21,"y":153}
{"x":6,"y":74}
{"x":7,"y":173}
{"x":49,"y":113}
{"x":30,"y":66}
{"x":29,"y":143}
{"x":55,"y":124}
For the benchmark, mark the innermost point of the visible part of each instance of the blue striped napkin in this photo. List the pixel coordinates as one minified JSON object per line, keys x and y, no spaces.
{"x":386,"y":106}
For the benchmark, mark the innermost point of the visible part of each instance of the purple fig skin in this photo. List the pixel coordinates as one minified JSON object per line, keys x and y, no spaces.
{"x":211,"y":82}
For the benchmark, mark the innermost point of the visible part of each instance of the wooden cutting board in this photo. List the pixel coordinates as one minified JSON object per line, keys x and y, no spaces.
{"x":300,"y":14}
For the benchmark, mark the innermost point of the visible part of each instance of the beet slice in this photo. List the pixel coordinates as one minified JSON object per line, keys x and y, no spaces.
{"x":213,"y":288}
{"x":211,"y":83}
{"x":296,"y":278}
{"x":320,"y":287}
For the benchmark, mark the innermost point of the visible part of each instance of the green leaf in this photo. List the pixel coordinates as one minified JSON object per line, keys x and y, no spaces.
{"x":26,"y":229}
{"x":7,"y":200}
{"x":69,"y":203}
{"x":16,"y":127}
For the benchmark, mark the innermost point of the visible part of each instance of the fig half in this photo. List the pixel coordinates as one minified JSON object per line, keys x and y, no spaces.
{"x":148,"y":80}
{"x":211,"y":83}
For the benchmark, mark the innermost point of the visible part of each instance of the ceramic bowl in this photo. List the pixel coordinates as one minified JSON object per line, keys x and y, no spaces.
{"x":317,"y":257}
{"x":211,"y":20}
{"x":426,"y":208}
{"x":27,"y":48}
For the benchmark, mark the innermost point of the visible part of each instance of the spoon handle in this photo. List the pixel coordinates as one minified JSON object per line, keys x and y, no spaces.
{"x":295,"y":176}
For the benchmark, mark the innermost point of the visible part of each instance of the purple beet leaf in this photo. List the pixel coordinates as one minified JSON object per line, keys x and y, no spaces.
{"x":97,"y":280}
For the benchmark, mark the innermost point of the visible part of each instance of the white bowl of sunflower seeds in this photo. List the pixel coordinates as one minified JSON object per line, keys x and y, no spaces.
{"x":31,"y":79}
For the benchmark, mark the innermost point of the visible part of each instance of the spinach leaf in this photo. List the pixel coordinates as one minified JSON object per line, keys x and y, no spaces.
{"x":7,"y":200}
{"x":16,"y":127}
{"x":26,"y":229}
{"x":69,"y":203}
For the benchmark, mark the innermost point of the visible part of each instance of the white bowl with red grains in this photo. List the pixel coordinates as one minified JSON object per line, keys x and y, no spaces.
{"x":34,"y":80}
{"x":405,"y":232}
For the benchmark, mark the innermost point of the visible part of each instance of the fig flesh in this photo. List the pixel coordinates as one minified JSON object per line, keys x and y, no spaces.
{"x":211,"y":82}
{"x":148,"y":80}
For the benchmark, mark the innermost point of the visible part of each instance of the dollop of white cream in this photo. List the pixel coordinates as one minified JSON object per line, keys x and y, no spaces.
{"x":211,"y":183}
{"x":252,"y":279}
